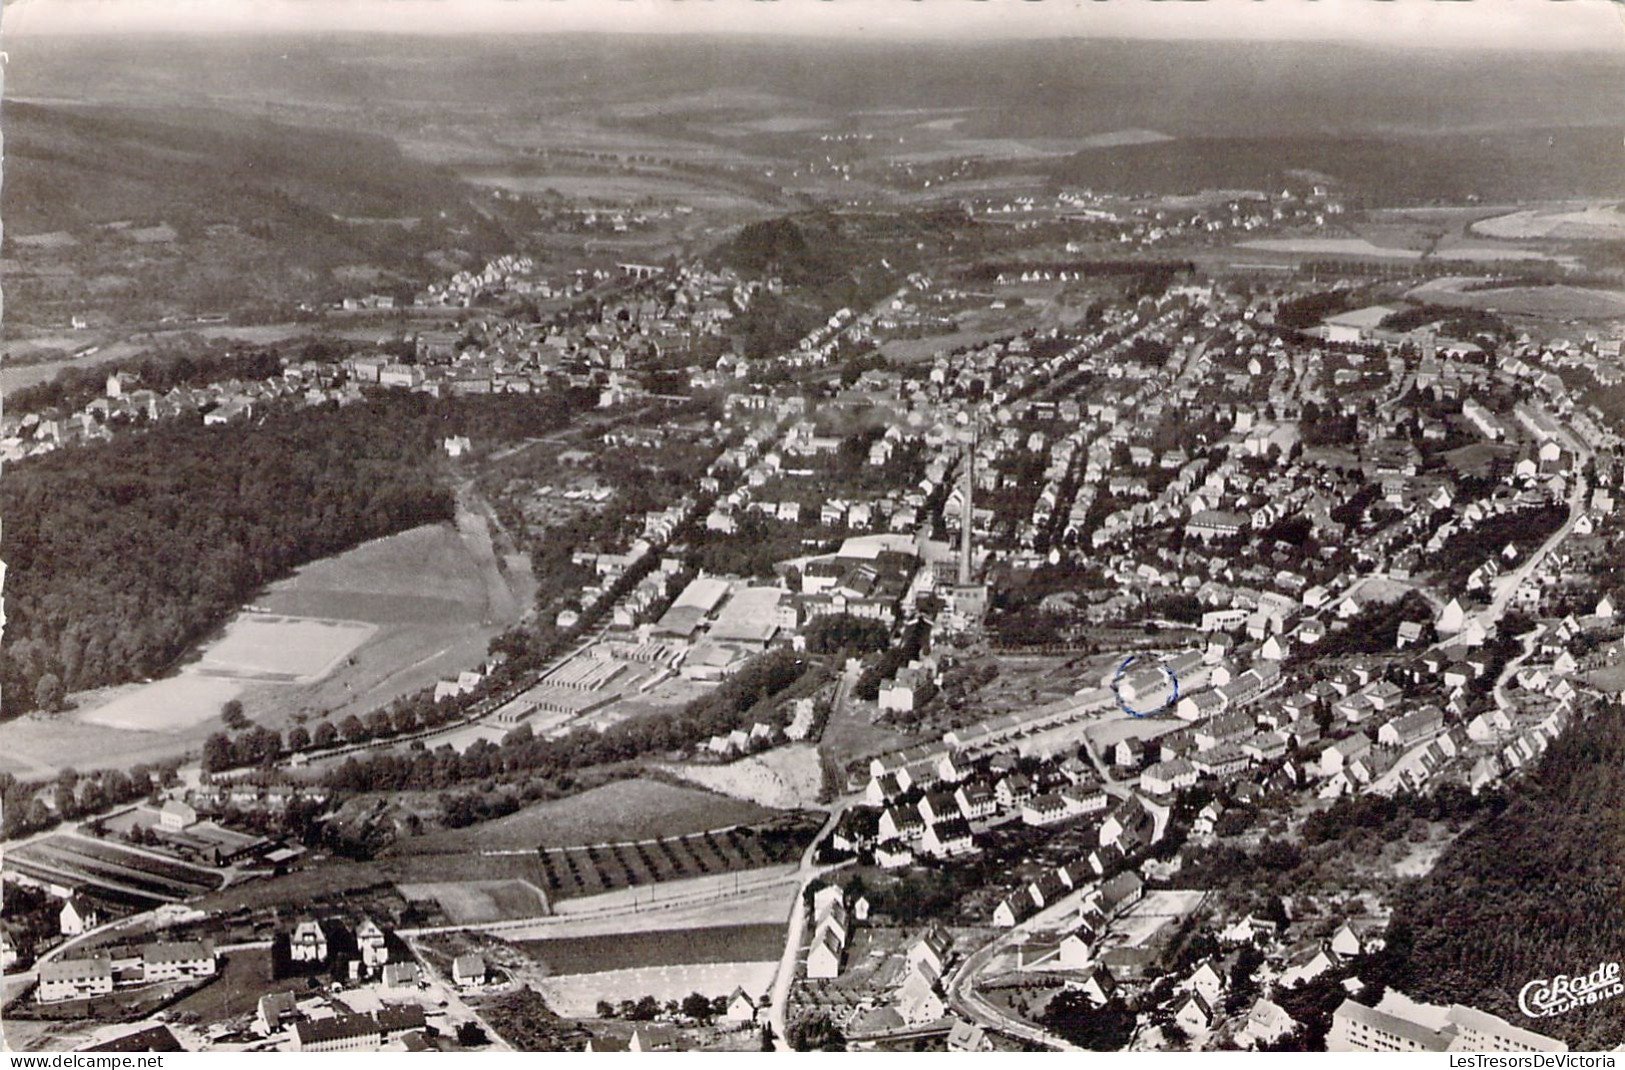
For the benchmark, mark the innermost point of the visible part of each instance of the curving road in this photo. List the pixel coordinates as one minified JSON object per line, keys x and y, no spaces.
{"x":963,"y":997}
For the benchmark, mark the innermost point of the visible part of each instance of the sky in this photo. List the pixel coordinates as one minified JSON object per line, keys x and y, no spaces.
{"x":1579,"y":25}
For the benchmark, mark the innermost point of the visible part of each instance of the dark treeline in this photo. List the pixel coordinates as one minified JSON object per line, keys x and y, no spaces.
{"x":1533,"y":891}
{"x":1301,"y":313}
{"x":125,"y":553}
{"x":1455,"y":322}
{"x":23,"y":808}
{"x":732,"y":705}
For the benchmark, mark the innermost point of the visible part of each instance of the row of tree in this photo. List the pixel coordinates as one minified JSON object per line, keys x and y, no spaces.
{"x":738,"y":702}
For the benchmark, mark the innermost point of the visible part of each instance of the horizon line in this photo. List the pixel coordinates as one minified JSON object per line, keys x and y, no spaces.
{"x":1545,"y":26}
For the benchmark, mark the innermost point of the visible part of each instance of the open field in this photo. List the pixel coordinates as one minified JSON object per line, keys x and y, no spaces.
{"x":1330,"y":247}
{"x":577,"y":995}
{"x":1595,"y":222}
{"x":669,"y":947}
{"x":1610,"y":679}
{"x":623,"y":810}
{"x":262,"y":646}
{"x":1543,"y":302}
{"x":622,"y":188}
{"x":170,"y":705}
{"x":15,"y":376}
{"x":521,"y":866}
{"x":787,"y":777}
{"x":753,"y":897}
{"x":412,"y":576}
{"x":1115,"y":726}
{"x":472,"y":902}
{"x":1150,"y":914}
{"x":244,"y":977}
{"x":331,"y":877}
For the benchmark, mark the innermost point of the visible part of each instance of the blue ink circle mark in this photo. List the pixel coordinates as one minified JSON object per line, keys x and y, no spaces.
{"x":1117,"y":693}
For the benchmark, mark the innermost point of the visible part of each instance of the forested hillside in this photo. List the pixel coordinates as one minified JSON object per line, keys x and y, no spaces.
{"x":1535,"y":891}
{"x":123,"y":554}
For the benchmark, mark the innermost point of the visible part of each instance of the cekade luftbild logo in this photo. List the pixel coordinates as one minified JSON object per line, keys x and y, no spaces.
{"x":1544,"y":998}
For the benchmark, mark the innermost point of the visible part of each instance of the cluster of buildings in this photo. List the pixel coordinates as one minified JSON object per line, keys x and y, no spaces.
{"x":99,"y":974}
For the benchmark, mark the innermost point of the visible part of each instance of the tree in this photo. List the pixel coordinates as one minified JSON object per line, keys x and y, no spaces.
{"x":1073,"y":1017}
{"x":470,"y":1035}
{"x":643,"y":1010}
{"x":298,"y":738}
{"x":606,"y":1009}
{"x":216,"y":753}
{"x":232,"y":714}
{"x":697,"y":1007}
{"x":48,"y":693}
{"x":816,"y":1033}
{"x":1243,"y":982}
{"x":352,"y":729}
{"x":326,"y":734}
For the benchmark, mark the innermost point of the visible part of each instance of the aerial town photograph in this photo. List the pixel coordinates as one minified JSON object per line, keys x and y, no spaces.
{"x":633,"y":525}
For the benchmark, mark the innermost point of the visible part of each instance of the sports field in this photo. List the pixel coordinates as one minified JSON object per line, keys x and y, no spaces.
{"x":473,"y":902}
{"x":268,"y":647}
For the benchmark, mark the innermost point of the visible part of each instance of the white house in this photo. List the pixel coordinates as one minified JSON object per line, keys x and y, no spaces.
{"x":824,"y":957}
{"x":468,"y":970}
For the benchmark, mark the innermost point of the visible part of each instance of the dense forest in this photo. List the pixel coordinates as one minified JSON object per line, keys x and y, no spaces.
{"x":123,"y":554}
{"x":1534,"y":891}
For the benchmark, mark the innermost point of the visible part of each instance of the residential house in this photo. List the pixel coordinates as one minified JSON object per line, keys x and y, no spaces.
{"x":185,"y":960}
{"x":309,"y":942}
{"x":468,"y":970}
{"x":74,"y":978}
{"x":824,"y":957}
{"x":77,"y":916}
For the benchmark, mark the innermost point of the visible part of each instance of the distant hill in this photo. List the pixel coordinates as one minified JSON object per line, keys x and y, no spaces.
{"x":67,"y":166}
{"x":1386,"y":168}
{"x":258,"y":208}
